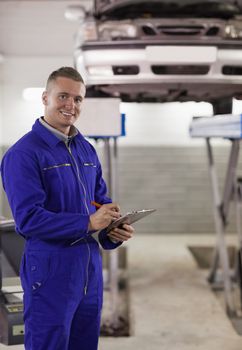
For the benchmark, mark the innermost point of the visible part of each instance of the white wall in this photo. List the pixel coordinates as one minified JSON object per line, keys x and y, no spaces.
{"x":237,"y":106}
{"x":167,"y":123}
{"x":19,"y":73}
{"x":161,"y":124}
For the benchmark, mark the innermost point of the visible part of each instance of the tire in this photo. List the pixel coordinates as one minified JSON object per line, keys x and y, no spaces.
{"x":223,"y":106}
{"x":94,"y":92}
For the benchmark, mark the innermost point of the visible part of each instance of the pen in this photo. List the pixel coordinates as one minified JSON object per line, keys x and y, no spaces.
{"x":97,"y":205}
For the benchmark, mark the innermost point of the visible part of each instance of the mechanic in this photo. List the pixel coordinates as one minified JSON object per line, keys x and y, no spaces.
{"x":51,"y":176}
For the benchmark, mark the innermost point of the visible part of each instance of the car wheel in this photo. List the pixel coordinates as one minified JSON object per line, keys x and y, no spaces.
{"x":223,"y":106}
{"x":92,"y":91}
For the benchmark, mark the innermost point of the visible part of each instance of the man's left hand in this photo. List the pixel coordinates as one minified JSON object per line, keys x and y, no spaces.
{"x":121,"y":234}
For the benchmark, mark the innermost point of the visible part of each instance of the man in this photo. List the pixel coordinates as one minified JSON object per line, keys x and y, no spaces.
{"x":51,"y":176}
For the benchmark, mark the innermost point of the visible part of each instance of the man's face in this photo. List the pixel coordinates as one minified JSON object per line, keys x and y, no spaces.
{"x":63,"y":100}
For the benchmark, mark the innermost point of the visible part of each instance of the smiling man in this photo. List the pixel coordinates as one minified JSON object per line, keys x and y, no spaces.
{"x":63,"y":99}
{"x":51,"y":176}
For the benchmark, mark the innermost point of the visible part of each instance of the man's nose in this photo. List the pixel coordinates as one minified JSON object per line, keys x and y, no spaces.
{"x":70,"y":102}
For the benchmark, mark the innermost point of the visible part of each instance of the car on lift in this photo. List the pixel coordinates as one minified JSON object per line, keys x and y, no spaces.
{"x":161,"y":50}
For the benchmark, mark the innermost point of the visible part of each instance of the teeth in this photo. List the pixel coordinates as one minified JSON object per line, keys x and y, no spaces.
{"x":66,"y":113}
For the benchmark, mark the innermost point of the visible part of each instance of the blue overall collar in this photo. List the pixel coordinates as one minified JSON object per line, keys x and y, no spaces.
{"x":59,"y":134}
{"x":48,"y":136}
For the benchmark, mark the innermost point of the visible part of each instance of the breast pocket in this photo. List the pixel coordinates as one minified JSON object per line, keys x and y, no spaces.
{"x":89,"y":165}
{"x":90,"y":172}
{"x":57,"y":171}
{"x":57,"y":176}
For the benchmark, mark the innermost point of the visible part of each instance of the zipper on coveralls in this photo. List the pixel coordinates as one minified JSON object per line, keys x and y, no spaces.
{"x":85,"y":202}
{"x":78,"y":176}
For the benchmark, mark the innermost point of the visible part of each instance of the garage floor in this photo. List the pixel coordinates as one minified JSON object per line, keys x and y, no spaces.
{"x":171,"y":302}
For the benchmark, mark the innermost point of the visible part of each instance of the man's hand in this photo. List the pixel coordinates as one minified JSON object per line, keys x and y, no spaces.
{"x":104,"y":216}
{"x":121,"y":234}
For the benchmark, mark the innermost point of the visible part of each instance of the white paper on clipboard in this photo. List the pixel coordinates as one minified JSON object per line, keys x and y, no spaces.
{"x":130,"y":218}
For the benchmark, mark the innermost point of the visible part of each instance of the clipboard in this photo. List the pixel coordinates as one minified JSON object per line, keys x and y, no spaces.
{"x":130,"y":218}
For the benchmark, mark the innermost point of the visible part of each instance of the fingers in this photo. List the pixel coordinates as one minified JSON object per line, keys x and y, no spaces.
{"x":128,"y":228}
{"x":119,"y":236}
{"x":111,"y":211}
{"x":104,"y":216}
{"x":122,"y":234}
{"x":112,"y":206}
{"x":113,"y":214}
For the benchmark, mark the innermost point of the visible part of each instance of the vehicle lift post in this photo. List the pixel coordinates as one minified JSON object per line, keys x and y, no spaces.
{"x":221,"y":211}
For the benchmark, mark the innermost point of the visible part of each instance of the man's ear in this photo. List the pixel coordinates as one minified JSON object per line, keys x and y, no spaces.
{"x":45,"y":98}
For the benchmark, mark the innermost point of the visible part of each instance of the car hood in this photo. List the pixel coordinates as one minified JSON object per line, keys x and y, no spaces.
{"x":121,"y":9}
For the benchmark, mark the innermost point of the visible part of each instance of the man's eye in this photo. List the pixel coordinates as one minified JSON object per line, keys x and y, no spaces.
{"x":78,"y":100}
{"x":62,"y":97}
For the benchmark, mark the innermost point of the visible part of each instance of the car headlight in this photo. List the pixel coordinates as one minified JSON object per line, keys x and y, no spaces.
{"x":87,"y":32}
{"x":115,"y":31}
{"x":233,"y":31}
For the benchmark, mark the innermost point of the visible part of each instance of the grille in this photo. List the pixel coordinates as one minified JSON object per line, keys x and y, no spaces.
{"x":180,"y":70}
{"x":232,"y":70}
{"x":180,"y":30}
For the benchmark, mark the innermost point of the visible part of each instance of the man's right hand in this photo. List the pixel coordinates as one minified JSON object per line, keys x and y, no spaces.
{"x":104,"y":216}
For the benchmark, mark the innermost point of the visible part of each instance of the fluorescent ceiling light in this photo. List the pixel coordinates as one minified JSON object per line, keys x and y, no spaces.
{"x":33,"y":94}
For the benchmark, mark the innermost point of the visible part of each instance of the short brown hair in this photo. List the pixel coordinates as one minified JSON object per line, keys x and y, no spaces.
{"x":66,"y":72}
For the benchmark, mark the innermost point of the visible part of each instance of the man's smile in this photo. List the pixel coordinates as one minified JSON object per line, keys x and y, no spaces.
{"x":67,"y":114}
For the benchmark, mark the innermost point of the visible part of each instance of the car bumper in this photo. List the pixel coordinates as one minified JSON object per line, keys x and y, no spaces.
{"x":97,"y":64}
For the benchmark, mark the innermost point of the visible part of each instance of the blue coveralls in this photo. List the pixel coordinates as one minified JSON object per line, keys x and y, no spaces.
{"x":50,"y":188}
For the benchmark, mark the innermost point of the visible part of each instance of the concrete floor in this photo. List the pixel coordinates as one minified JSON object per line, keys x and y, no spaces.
{"x":172,"y":305}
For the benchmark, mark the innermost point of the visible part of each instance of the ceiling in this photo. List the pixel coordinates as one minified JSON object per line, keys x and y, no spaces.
{"x":36,"y":27}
